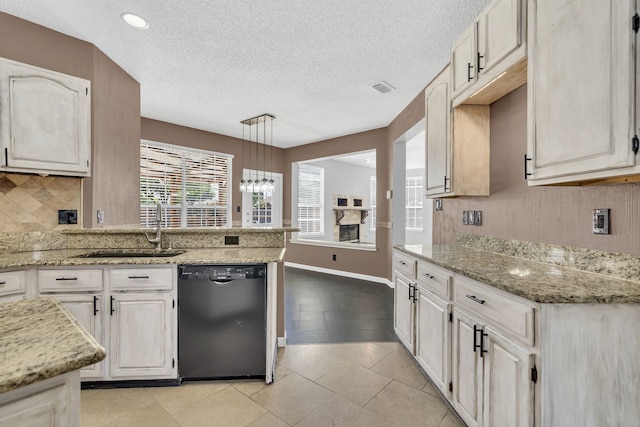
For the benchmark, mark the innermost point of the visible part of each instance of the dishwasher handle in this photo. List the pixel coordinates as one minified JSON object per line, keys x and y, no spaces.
{"x":221,"y":282}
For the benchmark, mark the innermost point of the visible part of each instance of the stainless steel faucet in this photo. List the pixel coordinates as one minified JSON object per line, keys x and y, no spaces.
{"x":158,"y":239}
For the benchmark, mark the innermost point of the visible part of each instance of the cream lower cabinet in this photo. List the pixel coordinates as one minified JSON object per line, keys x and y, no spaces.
{"x":140,"y":343}
{"x":492,"y":384}
{"x":89,"y":312}
{"x":433,"y":337}
{"x":403,"y":317}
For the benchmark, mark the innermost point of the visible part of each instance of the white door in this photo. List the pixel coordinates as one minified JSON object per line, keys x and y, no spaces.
{"x":433,"y":338}
{"x":141,"y":335}
{"x":508,"y":389}
{"x":262,"y":208}
{"x":88,"y":311}
{"x":403,"y":313}
{"x":467,"y":369}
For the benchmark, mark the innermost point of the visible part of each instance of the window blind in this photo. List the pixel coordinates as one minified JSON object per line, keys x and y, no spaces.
{"x":191,"y":185}
{"x":413,"y":203}
{"x":310,"y":197}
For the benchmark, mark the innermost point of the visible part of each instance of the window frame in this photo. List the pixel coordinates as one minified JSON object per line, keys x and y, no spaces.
{"x":417,"y":188}
{"x":319,"y":206}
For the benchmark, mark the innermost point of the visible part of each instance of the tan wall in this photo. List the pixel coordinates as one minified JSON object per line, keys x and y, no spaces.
{"x":556,"y":215}
{"x":115,"y":107}
{"x":355,"y":261}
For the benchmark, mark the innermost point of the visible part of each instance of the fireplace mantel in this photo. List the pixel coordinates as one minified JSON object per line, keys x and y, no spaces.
{"x":339,"y":213}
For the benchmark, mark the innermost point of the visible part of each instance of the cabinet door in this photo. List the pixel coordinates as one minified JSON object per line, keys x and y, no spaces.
{"x":45,"y":120}
{"x":433,"y":338}
{"x":467,"y":370}
{"x":141,"y":336}
{"x":437,"y":135}
{"x":463,"y":61}
{"x":403,"y":313}
{"x":89,"y":312}
{"x":508,"y":389}
{"x":580,"y":88}
{"x":499,"y":33}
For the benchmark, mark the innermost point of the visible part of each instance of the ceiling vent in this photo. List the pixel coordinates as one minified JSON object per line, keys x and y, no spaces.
{"x":383,"y":87}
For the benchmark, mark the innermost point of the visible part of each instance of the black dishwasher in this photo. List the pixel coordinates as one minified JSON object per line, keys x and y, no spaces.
{"x":222,"y":321}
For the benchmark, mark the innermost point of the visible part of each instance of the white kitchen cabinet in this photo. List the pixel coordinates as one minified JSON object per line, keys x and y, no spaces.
{"x":489,"y":59}
{"x":403,"y":317}
{"x":12,"y":285}
{"x":54,"y":402}
{"x":492,"y":384}
{"x":45,"y":121}
{"x":433,"y":337}
{"x":141,"y":337}
{"x":438,"y":135}
{"x":581,"y":100}
{"x":89,"y":312}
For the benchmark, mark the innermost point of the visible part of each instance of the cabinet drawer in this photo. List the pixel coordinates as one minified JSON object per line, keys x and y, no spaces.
{"x":70,"y":280}
{"x":500,"y":309}
{"x":435,"y":278}
{"x":125,"y":279}
{"x":12,"y":282}
{"x":405,"y":265}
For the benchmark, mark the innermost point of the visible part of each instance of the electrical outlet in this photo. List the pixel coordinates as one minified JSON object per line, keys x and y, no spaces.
{"x":335,"y":257}
{"x":601,"y":221}
{"x":465,"y":217}
{"x":472,"y":218}
{"x":68,"y":216}
{"x":438,"y":203}
{"x":231,"y":240}
{"x":100,"y":216}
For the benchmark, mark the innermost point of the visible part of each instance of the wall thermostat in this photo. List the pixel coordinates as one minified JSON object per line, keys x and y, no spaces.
{"x":601,"y":221}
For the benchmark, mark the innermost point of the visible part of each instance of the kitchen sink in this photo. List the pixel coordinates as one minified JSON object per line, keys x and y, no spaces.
{"x":131,"y":253}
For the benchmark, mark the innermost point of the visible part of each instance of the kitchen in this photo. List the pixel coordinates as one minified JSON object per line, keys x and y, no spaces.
{"x":556,"y":215}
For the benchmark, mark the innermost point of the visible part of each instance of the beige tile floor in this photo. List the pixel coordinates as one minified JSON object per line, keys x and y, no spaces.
{"x":351,"y":384}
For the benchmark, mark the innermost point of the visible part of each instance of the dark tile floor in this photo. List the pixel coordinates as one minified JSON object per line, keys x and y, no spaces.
{"x":323,"y":308}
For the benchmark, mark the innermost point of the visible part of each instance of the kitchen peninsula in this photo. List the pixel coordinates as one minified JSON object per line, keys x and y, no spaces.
{"x":124,"y":292}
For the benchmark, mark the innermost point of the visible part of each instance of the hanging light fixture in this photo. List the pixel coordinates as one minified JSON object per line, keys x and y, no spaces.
{"x":251,"y":127}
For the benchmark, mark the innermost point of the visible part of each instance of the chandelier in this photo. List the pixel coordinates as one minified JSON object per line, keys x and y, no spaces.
{"x":252,"y":130}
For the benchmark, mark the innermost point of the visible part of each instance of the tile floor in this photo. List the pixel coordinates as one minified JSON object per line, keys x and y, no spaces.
{"x":323,"y":308}
{"x":349,"y":384}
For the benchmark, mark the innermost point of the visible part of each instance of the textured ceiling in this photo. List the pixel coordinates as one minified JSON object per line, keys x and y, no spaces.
{"x":209,"y":64}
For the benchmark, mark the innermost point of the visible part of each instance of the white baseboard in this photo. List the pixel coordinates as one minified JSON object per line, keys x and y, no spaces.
{"x":340,"y":273}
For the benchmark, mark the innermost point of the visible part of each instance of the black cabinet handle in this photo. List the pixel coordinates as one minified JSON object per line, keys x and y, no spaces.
{"x":445,"y":183}
{"x":138,"y":277}
{"x":111,"y":304}
{"x":476,"y":299}
{"x":410,"y":296}
{"x":482,"y":335}
{"x":403,"y":263}
{"x":3,"y":283}
{"x":469,"y":68}
{"x":415,"y":292}
{"x":475,"y":339}
{"x":95,"y":305}
{"x":66,"y":278}
{"x":479,"y":58}
{"x":427,"y":275}
{"x":526,"y":173}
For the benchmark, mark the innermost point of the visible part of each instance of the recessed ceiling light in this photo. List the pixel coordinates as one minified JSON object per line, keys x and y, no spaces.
{"x":134,"y":20}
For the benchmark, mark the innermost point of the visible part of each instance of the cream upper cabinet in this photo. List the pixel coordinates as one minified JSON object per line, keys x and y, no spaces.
{"x":437,"y":135}
{"x":581,"y":100}
{"x":45,"y":120}
{"x":489,"y":59}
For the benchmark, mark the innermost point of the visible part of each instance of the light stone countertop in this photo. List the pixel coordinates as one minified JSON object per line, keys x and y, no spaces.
{"x":536,"y":281}
{"x":71,"y":257}
{"x":40,"y":339}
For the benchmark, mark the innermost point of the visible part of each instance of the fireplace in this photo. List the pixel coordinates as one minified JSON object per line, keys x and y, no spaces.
{"x":349,"y":233}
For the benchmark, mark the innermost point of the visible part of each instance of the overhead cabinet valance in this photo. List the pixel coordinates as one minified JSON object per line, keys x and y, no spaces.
{"x":45,"y":121}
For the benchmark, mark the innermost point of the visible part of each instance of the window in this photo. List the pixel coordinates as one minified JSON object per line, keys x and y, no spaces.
{"x":372,"y":197}
{"x":192,"y":185}
{"x":413,"y":203}
{"x":310,"y":197}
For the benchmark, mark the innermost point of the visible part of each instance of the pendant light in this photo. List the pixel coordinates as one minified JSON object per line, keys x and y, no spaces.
{"x":252,"y":127}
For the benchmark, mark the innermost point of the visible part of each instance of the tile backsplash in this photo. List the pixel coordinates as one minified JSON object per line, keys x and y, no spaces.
{"x":31,"y":202}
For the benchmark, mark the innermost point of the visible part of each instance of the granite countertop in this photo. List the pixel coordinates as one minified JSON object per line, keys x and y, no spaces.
{"x":73,"y":257}
{"x":536,"y":281}
{"x":40,"y":339}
